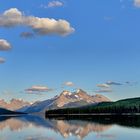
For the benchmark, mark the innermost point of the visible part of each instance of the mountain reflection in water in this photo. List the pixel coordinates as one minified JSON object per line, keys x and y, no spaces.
{"x":65,"y":127}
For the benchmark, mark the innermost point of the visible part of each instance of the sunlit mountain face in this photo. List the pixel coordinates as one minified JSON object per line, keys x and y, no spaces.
{"x":65,"y":100}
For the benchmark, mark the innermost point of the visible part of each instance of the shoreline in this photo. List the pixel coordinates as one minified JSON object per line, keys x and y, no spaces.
{"x":97,"y":114}
{"x":11,"y":115}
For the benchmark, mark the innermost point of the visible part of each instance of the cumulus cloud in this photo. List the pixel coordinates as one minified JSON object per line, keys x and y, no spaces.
{"x":103,"y":85}
{"x":11,"y":17}
{"x":55,"y":4}
{"x":27,"y":35}
{"x":2,"y":60}
{"x":69,"y":83}
{"x":38,"y":89}
{"x":137,"y":3}
{"x":4,"y":45}
{"x":41,"y":26}
{"x":103,"y":90}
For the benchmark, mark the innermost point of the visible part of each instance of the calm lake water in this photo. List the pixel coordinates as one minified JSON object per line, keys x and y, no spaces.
{"x":38,"y":128}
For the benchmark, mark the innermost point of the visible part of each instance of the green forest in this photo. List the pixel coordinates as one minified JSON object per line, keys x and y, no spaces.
{"x":118,"y":107}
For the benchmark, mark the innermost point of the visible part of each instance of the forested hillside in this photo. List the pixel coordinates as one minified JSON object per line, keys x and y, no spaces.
{"x":119,"y":107}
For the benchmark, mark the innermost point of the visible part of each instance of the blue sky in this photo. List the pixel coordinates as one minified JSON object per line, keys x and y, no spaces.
{"x":100,"y":44}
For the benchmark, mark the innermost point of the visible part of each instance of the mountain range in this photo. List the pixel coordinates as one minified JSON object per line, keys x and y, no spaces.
{"x":14,"y":104}
{"x":65,"y":100}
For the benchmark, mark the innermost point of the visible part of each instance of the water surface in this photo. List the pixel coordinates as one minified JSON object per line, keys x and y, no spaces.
{"x":38,"y":128}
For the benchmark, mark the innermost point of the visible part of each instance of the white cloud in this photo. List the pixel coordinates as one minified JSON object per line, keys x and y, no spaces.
{"x":4,"y":45}
{"x":137,"y":3}
{"x":37,"y":88}
{"x":2,"y":60}
{"x":41,"y":26}
{"x":55,"y":4}
{"x":13,"y":12}
{"x":69,"y":83}
{"x":11,"y":17}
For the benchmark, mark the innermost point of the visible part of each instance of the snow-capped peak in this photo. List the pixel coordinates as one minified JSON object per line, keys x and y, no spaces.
{"x":76,"y":96}
{"x":78,"y":90}
{"x":66,"y":93}
{"x":65,"y":99}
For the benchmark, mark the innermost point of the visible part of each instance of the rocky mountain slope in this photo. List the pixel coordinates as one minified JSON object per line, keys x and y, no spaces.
{"x":64,"y":100}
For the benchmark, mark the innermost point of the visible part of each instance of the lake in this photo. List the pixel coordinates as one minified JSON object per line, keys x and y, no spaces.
{"x":30,"y":127}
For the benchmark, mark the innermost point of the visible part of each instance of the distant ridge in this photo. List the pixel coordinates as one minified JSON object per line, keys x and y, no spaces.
{"x":14,"y":104}
{"x":8,"y":112}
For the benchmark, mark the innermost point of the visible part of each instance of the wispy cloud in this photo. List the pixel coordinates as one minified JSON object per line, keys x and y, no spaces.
{"x":38,"y":89}
{"x":40,"y":26}
{"x":106,"y":87}
{"x":113,"y":83}
{"x":4,"y":45}
{"x":55,"y":4}
{"x":131,"y":83}
{"x":2,"y":60}
{"x":103,"y":90}
{"x":103,"y":85}
{"x":108,"y":84}
{"x":27,"y":35}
